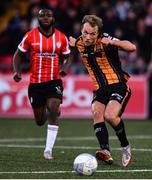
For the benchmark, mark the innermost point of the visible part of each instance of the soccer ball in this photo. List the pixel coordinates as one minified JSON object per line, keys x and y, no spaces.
{"x":85,"y":164}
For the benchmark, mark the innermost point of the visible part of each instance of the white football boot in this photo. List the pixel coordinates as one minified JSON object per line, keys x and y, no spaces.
{"x":126,"y":155}
{"x":47,"y":155}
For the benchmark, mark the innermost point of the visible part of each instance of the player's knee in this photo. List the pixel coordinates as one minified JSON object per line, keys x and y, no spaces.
{"x":110,"y":116}
{"x":40,"y":122}
{"x":40,"y":119}
{"x":53,"y":113}
{"x":96,"y":114}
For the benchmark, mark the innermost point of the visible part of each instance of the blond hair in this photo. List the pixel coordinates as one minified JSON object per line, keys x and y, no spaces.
{"x":93,"y":20}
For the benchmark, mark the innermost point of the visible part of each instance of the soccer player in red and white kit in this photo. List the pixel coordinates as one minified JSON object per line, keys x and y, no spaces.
{"x":44,"y":44}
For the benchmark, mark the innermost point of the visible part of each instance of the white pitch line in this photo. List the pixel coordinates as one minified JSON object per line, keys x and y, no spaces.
{"x":63,"y":172}
{"x":22,"y":139}
{"x":69,"y":147}
{"x":21,"y":146}
{"x":72,"y":138}
{"x":37,"y":172}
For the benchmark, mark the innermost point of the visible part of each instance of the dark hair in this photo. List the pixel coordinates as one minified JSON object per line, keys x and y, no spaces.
{"x":93,"y":20}
{"x":46,"y":6}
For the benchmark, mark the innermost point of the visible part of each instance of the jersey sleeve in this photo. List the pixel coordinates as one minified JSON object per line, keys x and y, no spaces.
{"x":111,"y":48}
{"x":24,"y":44}
{"x":65,"y":49}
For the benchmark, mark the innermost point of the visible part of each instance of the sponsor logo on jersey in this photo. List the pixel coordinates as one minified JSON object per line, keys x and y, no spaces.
{"x":46,"y":55}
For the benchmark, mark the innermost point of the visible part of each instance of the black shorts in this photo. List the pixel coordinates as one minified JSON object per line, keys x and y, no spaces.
{"x":119,"y":92}
{"x":38,"y":93}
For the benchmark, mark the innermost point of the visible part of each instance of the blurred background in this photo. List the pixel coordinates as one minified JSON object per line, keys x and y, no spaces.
{"x":124,"y":19}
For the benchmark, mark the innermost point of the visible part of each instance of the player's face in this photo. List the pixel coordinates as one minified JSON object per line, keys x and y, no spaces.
{"x":89,"y":34}
{"x":45,"y":18}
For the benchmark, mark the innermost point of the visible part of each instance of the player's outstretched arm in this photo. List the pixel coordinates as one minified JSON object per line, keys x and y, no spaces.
{"x":124,"y":45}
{"x":17,"y":66}
{"x":121,"y":44}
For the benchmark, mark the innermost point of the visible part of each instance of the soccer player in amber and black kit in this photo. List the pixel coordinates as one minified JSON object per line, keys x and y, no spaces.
{"x":44,"y":44}
{"x":99,"y":54}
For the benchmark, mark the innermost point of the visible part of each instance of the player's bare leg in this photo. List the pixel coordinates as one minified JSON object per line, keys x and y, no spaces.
{"x":40,"y":115}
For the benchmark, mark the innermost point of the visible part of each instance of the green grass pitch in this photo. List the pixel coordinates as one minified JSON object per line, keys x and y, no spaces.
{"x":22,"y":144}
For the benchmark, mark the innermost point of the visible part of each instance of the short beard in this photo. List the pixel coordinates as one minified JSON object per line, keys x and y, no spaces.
{"x":46,"y":28}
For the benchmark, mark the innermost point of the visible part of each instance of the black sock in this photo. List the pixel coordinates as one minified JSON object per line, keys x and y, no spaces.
{"x":121,"y":134}
{"x":102,"y":135}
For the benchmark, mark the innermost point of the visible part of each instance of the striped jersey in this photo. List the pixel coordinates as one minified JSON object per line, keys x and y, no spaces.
{"x":102,"y":62}
{"x":44,"y":54}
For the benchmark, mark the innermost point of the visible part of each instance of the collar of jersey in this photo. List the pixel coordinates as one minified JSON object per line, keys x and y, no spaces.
{"x":53,"y":30}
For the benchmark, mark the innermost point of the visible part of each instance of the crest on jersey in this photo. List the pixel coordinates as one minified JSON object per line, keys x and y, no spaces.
{"x":58,"y":44}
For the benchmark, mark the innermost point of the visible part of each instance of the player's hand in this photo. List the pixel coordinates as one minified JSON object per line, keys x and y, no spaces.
{"x":17,"y":77}
{"x":63,"y":72}
{"x":107,"y":41}
{"x":72,"y":41}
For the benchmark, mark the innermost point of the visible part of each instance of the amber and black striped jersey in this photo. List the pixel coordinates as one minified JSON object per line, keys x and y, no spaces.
{"x":102,"y":62}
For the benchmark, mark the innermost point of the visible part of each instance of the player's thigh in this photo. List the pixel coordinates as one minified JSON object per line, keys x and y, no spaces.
{"x":54,"y":97}
{"x":40,"y":113}
{"x":112,"y":110}
{"x":53,"y":104}
{"x":118,"y":100}
{"x":120,"y":95}
{"x":36,"y":94}
{"x":39,"y":107}
{"x":98,"y":111}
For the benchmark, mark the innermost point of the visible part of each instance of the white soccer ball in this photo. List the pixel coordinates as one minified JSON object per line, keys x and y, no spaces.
{"x":85,"y":164}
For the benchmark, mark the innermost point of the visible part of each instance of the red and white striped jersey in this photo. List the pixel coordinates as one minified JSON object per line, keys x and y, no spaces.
{"x":44,"y":54}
